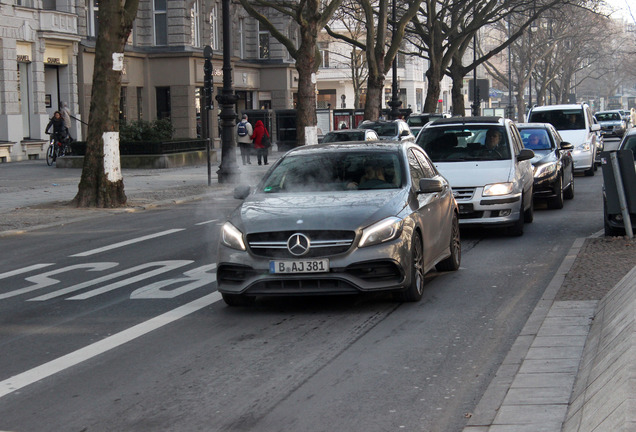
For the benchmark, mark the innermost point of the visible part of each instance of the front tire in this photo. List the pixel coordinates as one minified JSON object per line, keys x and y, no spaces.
{"x":453,"y":262}
{"x":50,"y":155}
{"x":569,"y":192}
{"x":528,"y":215}
{"x":557,"y":201}
{"x":416,"y":289}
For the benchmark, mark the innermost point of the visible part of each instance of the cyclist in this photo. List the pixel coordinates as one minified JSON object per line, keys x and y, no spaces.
{"x":60,"y":132}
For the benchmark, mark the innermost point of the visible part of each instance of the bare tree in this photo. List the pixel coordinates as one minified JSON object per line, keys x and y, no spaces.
{"x":311,"y":16}
{"x":102,"y":184}
{"x":381,"y":45}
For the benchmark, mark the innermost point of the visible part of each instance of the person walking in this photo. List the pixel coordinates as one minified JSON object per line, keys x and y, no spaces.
{"x":244,"y":131}
{"x":261,"y":141}
{"x":633,"y":117}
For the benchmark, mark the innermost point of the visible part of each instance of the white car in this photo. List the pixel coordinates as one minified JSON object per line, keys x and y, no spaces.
{"x":575,"y":123}
{"x":487,"y":166}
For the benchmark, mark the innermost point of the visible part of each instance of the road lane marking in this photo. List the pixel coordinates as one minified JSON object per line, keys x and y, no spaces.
{"x":24,"y":270}
{"x":48,"y":369}
{"x":164,"y":266}
{"x":44,"y":280}
{"x":127,"y":242}
{"x":207,"y":222}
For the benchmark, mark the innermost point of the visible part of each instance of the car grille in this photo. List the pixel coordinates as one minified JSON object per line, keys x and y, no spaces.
{"x":463,"y":193}
{"x":323,"y":243}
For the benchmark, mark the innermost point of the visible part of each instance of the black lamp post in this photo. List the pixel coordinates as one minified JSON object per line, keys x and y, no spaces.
{"x":228,"y":170}
{"x":476,"y":98}
{"x":511,"y":107}
{"x":395,"y":102}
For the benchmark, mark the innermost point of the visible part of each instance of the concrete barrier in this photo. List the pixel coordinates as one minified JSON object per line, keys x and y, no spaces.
{"x":604,"y":395}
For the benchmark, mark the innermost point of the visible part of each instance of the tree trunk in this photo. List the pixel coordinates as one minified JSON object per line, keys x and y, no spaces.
{"x":102,"y":184}
{"x":434,"y":77}
{"x":375,"y":92}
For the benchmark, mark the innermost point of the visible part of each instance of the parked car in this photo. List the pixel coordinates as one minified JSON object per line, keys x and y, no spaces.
{"x":346,"y":135}
{"x":488,"y":168}
{"x":576,"y":125}
{"x":340,"y":219}
{"x":552,"y":163}
{"x":612,"y":123}
{"x":389,"y":130}
{"x":417,"y":121}
{"x":614,"y":224}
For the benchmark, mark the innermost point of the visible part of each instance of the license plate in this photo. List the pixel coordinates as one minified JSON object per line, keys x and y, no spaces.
{"x":465,"y":208}
{"x":299,"y":266}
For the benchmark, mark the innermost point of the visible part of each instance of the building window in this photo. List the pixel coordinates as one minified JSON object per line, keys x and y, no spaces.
{"x":140,"y":103}
{"x":122,"y":104}
{"x":163,"y":102}
{"x":263,"y":43}
{"x":324,"y":53}
{"x":241,"y":30}
{"x":161,"y":22}
{"x":194,"y":24}
{"x":25,"y":3}
{"x":214,"y":28}
{"x":93,"y":18}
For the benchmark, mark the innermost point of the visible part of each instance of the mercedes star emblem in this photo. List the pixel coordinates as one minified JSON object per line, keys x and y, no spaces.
{"x":298,"y":244}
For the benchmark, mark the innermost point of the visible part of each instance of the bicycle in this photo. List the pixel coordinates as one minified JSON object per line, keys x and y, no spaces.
{"x":56,"y":149}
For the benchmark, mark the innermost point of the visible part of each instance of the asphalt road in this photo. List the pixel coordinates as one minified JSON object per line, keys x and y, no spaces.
{"x":113,"y":323}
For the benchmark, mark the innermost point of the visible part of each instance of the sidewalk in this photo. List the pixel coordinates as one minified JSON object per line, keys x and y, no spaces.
{"x":532,"y":389}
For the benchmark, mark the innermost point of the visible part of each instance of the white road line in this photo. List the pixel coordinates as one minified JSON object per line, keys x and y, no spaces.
{"x":46,"y":370}
{"x":207,"y":222}
{"x":23,"y":270}
{"x":126,"y":243}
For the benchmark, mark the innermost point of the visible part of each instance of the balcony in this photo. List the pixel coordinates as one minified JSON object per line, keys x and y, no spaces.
{"x":58,"y":22}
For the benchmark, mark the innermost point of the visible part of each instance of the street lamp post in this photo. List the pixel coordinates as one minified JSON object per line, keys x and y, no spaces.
{"x":511,"y":107}
{"x":476,"y":98}
{"x":395,"y":101}
{"x":228,"y":170}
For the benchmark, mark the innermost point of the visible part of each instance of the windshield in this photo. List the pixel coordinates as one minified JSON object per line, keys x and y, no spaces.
{"x":607,"y":116}
{"x":535,"y":139}
{"x":335,"y":171}
{"x":562,"y":119}
{"x":465,"y":143}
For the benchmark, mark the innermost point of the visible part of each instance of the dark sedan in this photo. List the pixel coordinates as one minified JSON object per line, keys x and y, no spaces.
{"x":552,"y":163}
{"x":340,"y":219}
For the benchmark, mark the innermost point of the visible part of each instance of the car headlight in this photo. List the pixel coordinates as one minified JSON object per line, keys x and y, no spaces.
{"x":545,"y":170}
{"x":382,"y":231}
{"x":232,"y":237}
{"x":584,"y":147}
{"x":496,"y":189}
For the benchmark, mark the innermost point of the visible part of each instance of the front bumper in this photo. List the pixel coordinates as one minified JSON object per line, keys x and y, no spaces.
{"x":383,"y":267}
{"x":476,"y":210}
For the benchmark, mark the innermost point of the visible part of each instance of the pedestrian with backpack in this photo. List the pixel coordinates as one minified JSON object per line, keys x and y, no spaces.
{"x":244,"y":131}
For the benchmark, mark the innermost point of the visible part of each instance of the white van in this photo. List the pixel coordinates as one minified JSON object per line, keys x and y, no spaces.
{"x":575,"y":124}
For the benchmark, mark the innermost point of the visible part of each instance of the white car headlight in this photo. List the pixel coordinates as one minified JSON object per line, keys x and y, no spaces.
{"x":496,"y":189}
{"x":232,"y":237}
{"x":382,"y":231}
{"x":545,"y":170}
{"x":584,"y":147}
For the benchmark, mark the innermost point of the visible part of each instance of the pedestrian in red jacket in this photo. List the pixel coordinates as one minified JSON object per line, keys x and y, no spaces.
{"x":260,"y":144}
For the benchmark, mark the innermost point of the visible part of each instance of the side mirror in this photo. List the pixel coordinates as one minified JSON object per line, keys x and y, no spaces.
{"x":525,"y":154}
{"x":241,"y":192}
{"x":595,"y":127}
{"x":428,"y":185}
{"x":566,"y":146}
{"x":404,"y":133}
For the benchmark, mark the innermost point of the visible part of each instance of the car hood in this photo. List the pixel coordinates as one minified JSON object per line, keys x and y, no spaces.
{"x":574,"y":137}
{"x":347,"y":210}
{"x":610,"y":122}
{"x":543,"y":156}
{"x":475,"y":173}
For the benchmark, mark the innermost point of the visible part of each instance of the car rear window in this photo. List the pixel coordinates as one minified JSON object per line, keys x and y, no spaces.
{"x":561,"y":119}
